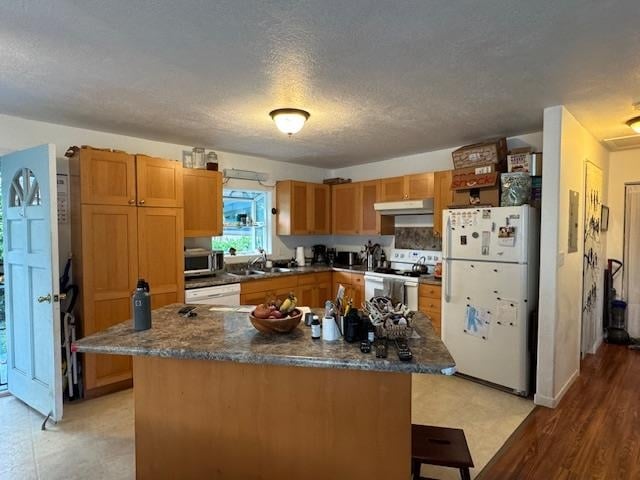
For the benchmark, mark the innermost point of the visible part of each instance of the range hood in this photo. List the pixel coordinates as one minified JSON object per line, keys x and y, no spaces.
{"x":405,"y":207}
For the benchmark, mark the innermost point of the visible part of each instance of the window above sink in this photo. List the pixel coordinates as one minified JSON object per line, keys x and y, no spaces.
{"x":246,"y":225}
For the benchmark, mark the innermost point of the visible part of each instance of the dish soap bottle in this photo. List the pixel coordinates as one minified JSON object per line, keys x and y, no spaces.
{"x":141,"y":306}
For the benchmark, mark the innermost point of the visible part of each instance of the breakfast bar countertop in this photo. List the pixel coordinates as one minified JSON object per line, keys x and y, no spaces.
{"x":229,"y":336}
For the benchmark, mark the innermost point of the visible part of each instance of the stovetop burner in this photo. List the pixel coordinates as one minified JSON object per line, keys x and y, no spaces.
{"x":390,"y":271}
{"x":410,"y":274}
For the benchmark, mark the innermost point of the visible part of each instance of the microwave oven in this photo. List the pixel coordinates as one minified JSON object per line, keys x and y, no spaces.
{"x":200,"y":261}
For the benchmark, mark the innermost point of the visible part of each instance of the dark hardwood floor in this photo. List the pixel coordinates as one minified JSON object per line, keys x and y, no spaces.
{"x":593,"y":434}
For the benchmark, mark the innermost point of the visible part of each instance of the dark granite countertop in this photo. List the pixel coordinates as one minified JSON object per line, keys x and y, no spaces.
{"x":229,"y":336}
{"x":227,"y":278}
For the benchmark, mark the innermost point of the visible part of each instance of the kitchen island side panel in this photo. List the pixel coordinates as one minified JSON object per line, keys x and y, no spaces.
{"x":199,"y":419}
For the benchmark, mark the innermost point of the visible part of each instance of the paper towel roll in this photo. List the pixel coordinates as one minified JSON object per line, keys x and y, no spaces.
{"x":300,"y":256}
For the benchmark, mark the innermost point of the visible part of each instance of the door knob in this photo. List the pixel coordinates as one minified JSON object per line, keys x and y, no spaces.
{"x":43,"y":299}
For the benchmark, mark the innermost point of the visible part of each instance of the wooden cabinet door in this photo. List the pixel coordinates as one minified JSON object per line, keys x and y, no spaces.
{"x":109,"y":262}
{"x":392,"y":189}
{"x":202,"y":203}
{"x":159,"y":182}
{"x":161,"y":253}
{"x":324,"y":292}
{"x":301,"y":198}
{"x":443,"y":197}
{"x":107,"y":178}
{"x":345,"y":207}
{"x":371,"y":222}
{"x":419,"y":186}
{"x":307,"y":296}
{"x":357,"y":284}
{"x":319,"y":209}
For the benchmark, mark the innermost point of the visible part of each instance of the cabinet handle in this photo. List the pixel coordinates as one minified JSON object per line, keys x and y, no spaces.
{"x":141,"y":202}
{"x":132,"y":201}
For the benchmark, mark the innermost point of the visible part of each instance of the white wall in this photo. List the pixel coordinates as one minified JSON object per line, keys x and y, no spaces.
{"x":624,"y":167}
{"x":567,"y":147}
{"x":423,"y":162}
{"x":17,"y":133}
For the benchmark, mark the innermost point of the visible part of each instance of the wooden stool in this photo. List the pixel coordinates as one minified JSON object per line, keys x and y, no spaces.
{"x":446,"y":447}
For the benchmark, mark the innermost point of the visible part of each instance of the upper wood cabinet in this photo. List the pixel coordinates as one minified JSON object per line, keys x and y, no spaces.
{"x":159,"y":182}
{"x":392,"y":189}
{"x":419,"y":186}
{"x":407,"y":187}
{"x":346,"y":211}
{"x":106,"y":177}
{"x":319,"y":213}
{"x":202,"y":203}
{"x":371,"y":222}
{"x":442,"y":198}
{"x":302,"y":208}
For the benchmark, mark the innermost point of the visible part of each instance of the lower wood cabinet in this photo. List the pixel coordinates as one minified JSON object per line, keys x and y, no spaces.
{"x":429,"y":303}
{"x":312,"y":289}
{"x":353,"y":282}
{"x":106,"y":268}
{"x":160,"y":254}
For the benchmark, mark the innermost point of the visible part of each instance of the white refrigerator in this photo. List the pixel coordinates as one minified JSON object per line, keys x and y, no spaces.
{"x":490,"y":287}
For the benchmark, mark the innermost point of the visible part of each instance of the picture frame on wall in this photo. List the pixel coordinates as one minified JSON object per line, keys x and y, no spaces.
{"x":604,"y":218}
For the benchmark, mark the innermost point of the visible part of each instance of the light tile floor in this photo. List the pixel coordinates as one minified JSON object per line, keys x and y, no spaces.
{"x":95,"y":438}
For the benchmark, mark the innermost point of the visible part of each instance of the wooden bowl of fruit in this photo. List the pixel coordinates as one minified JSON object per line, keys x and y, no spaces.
{"x":275,"y":316}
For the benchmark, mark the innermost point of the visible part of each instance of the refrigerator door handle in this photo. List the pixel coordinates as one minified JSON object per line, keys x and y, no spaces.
{"x":447,"y":281}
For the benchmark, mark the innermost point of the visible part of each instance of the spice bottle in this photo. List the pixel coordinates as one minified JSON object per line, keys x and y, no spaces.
{"x":315,"y":328}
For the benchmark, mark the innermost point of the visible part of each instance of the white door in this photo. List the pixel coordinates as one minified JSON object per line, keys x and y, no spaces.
{"x":489,"y":234}
{"x":29,"y":204}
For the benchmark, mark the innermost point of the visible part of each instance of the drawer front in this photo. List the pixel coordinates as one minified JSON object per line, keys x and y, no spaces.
{"x":289,"y":282}
{"x":342,"y":277}
{"x":427,"y":304}
{"x":431,"y":291}
{"x":307,"y":279}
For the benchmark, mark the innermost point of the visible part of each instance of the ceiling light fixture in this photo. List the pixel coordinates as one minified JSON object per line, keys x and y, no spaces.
{"x":289,"y":120}
{"x":634,"y":123}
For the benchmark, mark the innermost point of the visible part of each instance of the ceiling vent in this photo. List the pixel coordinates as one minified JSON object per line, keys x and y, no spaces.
{"x":623,"y":143}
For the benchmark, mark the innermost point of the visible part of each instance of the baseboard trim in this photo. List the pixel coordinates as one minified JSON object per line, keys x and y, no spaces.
{"x":552,"y":402}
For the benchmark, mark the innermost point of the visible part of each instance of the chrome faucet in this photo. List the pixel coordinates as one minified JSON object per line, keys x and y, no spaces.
{"x":261,"y":259}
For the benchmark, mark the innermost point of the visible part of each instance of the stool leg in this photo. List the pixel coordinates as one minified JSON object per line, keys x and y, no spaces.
{"x":464,"y":474}
{"x":415,"y":469}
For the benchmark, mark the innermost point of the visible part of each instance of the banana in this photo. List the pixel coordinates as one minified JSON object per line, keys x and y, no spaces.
{"x":289,"y":304}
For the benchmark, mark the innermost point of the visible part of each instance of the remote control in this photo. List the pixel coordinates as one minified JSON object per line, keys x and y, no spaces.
{"x":381,"y":349}
{"x":365,"y":346}
{"x":404,"y":352}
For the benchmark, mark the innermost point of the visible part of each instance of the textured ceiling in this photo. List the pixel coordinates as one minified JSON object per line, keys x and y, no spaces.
{"x":380,"y":78}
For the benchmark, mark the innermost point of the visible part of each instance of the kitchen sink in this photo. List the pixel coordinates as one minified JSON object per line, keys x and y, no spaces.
{"x":245,"y":273}
{"x":278,"y":270}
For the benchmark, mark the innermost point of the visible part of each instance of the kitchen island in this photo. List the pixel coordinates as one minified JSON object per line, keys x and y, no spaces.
{"x":216,"y":399}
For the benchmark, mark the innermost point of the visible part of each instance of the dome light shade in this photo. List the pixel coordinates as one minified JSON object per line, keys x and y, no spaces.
{"x":289,"y":120}
{"x":634,"y":123}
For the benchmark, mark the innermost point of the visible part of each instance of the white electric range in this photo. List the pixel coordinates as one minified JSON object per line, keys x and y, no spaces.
{"x":401,"y":270}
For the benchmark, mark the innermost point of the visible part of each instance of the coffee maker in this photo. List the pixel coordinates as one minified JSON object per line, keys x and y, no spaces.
{"x":319,"y":254}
